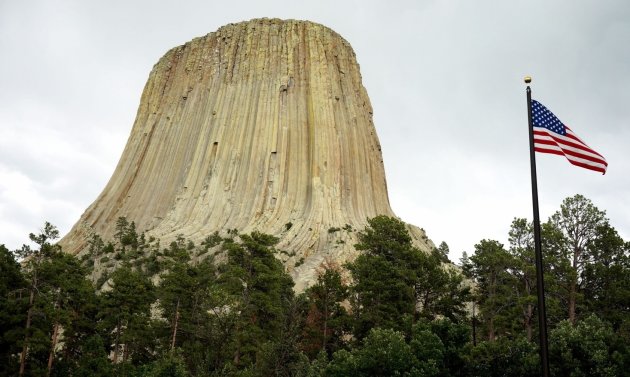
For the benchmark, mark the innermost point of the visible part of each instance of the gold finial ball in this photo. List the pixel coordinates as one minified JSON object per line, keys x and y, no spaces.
{"x":528,"y":79}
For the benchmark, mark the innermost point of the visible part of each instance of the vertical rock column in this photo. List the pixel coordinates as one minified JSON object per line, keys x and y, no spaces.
{"x":252,"y":127}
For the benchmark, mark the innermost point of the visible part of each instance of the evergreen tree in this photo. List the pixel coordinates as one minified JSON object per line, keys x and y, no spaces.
{"x":454,"y":338}
{"x":126,"y":234}
{"x":466,"y":265}
{"x":169,"y":365}
{"x":35,"y":340}
{"x":241,"y":318}
{"x":70,"y":306}
{"x":439,"y":289}
{"x":395,"y":283}
{"x":587,"y":348}
{"x":327,"y":319}
{"x":495,"y":285}
{"x":578,"y":219}
{"x":383,"y":276}
{"x":53,"y":296}
{"x":503,"y":358}
{"x":521,"y":240}
{"x":557,"y":272}
{"x":12,"y":307}
{"x":606,"y":278}
{"x":443,"y":251}
{"x":523,"y":269}
{"x":384,"y":352}
{"x":196,"y":322}
{"x":92,"y":360}
{"x":259,"y":290}
{"x":282,"y":356}
{"x":125,"y":315}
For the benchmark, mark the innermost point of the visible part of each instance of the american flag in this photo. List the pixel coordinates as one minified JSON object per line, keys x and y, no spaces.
{"x":552,"y":136}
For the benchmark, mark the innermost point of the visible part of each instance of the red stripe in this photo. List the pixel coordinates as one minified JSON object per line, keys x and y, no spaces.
{"x":576,"y":163}
{"x":584,"y":146}
{"x":570,"y":152}
{"x":552,"y":151}
{"x":574,"y":137}
{"x":579,"y":145}
{"x":590,"y":167}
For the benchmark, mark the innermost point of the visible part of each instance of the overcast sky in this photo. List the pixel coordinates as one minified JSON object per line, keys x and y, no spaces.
{"x":445,"y":79}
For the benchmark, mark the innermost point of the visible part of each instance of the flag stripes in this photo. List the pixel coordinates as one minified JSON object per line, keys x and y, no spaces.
{"x":551,"y":136}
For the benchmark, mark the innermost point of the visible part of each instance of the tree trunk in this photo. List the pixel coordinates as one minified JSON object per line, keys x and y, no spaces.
{"x":573,"y":286}
{"x":574,"y":282}
{"x":29,"y":316}
{"x":528,"y":321}
{"x":125,"y":352}
{"x":474,"y":325}
{"x":115,"y":359}
{"x":491,"y":293}
{"x":237,"y":352}
{"x":572,"y":298}
{"x":53,"y":345}
{"x":325,"y":323}
{"x":175,"y":327}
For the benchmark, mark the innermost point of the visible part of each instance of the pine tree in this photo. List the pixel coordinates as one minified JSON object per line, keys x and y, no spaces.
{"x":92,"y":360}
{"x":35,"y":340}
{"x":125,"y":315}
{"x":495,"y":285}
{"x":606,"y":278}
{"x":259,"y":290}
{"x":327,"y":319}
{"x":521,"y":240}
{"x":70,"y":306}
{"x":578,"y":219}
{"x":13,"y":287}
{"x":193,"y":306}
{"x":395,"y":283}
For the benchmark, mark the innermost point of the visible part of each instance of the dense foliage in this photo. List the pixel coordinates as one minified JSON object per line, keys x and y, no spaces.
{"x":226,"y":307}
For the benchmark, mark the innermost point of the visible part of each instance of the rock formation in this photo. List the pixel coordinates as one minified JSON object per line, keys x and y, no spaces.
{"x":262,"y":125}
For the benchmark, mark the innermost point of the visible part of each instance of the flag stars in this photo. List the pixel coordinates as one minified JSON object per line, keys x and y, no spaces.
{"x":545,"y":118}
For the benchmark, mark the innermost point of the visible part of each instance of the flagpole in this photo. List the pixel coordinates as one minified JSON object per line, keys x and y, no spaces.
{"x":540,"y":285}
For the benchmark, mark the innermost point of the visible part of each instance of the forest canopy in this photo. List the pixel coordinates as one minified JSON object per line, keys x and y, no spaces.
{"x":226,"y":307}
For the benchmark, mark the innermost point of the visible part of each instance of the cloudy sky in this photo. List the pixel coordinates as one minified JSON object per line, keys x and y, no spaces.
{"x":445,"y":79}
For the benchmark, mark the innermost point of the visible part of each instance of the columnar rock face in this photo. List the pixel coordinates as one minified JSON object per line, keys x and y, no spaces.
{"x":262,"y":125}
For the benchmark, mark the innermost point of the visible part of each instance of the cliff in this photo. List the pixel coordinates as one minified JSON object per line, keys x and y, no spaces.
{"x":262,"y":125}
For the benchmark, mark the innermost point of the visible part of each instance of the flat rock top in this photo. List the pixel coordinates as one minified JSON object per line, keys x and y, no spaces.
{"x":256,"y":126}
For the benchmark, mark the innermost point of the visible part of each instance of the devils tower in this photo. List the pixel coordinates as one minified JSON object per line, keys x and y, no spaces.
{"x":262,"y":125}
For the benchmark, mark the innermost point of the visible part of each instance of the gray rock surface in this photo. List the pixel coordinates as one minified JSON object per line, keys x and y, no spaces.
{"x":256,"y":126}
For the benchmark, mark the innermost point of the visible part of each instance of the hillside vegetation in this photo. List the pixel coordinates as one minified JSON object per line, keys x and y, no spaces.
{"x":130,"y":306}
